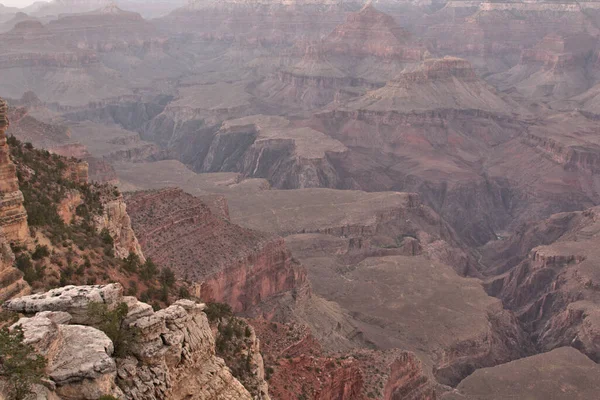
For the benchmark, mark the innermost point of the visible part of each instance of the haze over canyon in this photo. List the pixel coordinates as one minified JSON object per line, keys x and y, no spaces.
{"x":300,"y":200}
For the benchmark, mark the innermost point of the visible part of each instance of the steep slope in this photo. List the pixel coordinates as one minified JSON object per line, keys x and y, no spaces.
{"x":75,"y":59}
{"x":224,"y":262}
{"x":562,"y":374}
{"x":551,"y":281}
{"x":273,"y":148}
{"x":256,"y":23}
{"x":370,"y":32}
{"x":13,"y":217}
{"x":492,"y":34}
{"x":361,"y":249}
{"x":429,"y":131}
{"x":436,"y":84}
{"x":558,"y":67}
{"x":368,"y":49}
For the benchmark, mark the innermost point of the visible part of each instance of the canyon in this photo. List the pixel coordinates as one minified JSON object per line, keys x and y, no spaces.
{"x":398,"y":200}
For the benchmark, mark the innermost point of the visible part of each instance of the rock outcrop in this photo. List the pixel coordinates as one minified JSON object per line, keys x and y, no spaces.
{"x":171,"y":357}
{"x":273,"y":148}
{"x":117,"y":222}
{"x":256,"y":23}
{"x":359,"y":55}
{"x":557,"y":68}
{"x":12,"y":283}
{"x":370,"y":32}
{"x":13,"y":217}
{"x":227,"y":263}
{"x":552,"y":289}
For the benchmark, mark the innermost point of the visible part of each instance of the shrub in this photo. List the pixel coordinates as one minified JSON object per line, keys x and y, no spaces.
{"x":218,"y":311}
{"x":23,"y":262}
{"x":111,"y":323}
{"x":167,"y":277}
{"x":20,"y":366}
{"x":184,"y":293}
{"x":106,"y":237}
{"x":131,"y":263}
{"x":40,"y":252}
{"x":148,"y":270}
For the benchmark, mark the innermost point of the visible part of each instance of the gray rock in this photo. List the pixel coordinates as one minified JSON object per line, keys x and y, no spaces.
{"x":74,"y":300}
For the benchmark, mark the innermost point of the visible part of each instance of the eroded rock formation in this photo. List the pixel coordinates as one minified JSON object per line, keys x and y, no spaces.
{"x":12,"y":283}
{"x":117,"y":222}
{"x":13,"y":217}
{"x":228,"y":263}
{"x":172,"y":356}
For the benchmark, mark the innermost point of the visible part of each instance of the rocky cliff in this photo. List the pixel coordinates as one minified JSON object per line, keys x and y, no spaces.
{"x":288,"y":156}
{"x":12,"y":283}
{"x":558,"y":67}
{"x":256,"y":23}
{"x":359,"y":55}
{"x":13,"y":217}
{"x":370,"y":32}
{"x":551,"y":283}
{"x":117,"y":222}
{"x":226,"y":263}
{"x":171,"y":357}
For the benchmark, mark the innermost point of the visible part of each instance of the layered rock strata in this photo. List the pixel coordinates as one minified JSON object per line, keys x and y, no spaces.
{"x":552,"y":281}
{"x":12,"y":283}
{"x":227,"y":263}
{"x":273,"y":148}
{"x":117,"y":222}
{"x":561,"y":374}
{"x":13,"y":217}
{"x":172,"y":356}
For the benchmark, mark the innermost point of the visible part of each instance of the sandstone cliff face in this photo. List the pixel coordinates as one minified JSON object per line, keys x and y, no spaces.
{"x":406,"y":380}
{"x":12,"y":283}
{"x":553,"y":288}
{"x":227,"y":263}
{"x":370,"y":32}
{"x":560,"y":66}
{"x":256,"y":23}
{"x":118,"y":223}
{"x":173,"y":356}
{"x":13,"y":217}
{"x":289,"y":157}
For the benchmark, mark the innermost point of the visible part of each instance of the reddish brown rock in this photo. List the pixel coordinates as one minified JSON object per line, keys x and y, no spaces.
{"x":370,"y":32}
{"x":556,"y":68}
{"x":407,"y":381}
{"x":553,"y":289}
{"x":227,"y":263}
{"x":13,"y":217}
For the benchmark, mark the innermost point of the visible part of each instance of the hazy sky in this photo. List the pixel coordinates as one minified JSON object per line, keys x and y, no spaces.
{"x":17,"y":3}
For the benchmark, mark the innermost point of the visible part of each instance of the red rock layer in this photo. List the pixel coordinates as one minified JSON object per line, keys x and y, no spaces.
{"x":370,"y":32}
{"x":227,"y":263}
{"x":407,"y":381}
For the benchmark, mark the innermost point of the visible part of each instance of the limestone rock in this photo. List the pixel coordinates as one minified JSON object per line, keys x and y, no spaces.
{"x":79,"y":357}
{"x":172,"y":356}
{"x":116,"y":220}
{"x":71,"y":299}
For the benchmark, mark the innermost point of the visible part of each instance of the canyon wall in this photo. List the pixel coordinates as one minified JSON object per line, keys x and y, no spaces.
{"x":12,"y":283}
{"x":225,"y":262}
{"x":13,"y":217}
